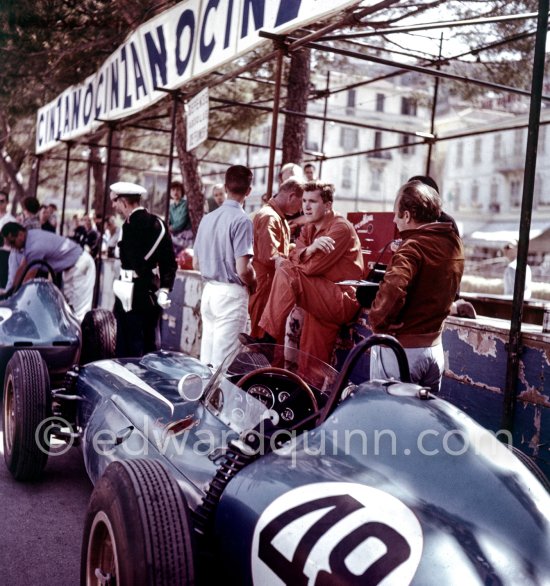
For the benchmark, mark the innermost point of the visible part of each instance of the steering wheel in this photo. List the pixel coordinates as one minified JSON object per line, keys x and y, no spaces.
{"x":251,"y":378}
{"x":32,"y":264}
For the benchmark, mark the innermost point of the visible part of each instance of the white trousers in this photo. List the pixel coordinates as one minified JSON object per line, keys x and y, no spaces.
{"x":224,"y":311}
{"x":426,"y":365}
{"x":78,"y":285}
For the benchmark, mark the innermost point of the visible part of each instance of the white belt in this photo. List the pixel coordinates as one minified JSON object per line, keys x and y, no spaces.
{"x":127,"y":276}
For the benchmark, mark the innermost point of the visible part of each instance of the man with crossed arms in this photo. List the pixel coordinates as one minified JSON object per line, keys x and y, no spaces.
{"x":327,"y":251}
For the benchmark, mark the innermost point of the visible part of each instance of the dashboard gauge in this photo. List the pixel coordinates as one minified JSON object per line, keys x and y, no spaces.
{"x":283,"y":396}
{"x":287,"y":414}
{"x":263,"y":394}
{"x":237,"y":415}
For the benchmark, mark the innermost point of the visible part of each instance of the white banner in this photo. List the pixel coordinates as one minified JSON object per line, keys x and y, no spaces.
{"x":197,"y":119}
{"x":189,"y":40}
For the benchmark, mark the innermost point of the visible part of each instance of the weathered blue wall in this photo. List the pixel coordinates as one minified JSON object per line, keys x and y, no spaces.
{"x":475,"y":377}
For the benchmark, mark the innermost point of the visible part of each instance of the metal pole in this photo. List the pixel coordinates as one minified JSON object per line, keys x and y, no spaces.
{"x":430,"y":26}
{"x":175,"y":98}
{"x":37,"y":175}
{"x":106,"y":191}
{"x":88,"y":177}
{"x":273,"y":141}
{"x":434,"y":107}
{"x":514,"y":341}
{"x":65,"y":186}
{"x":417,"y":68}
{"x":325,"y":110}
{"x":316,"y":117}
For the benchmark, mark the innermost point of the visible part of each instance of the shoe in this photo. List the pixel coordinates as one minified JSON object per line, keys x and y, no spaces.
{"x":247,"y":339}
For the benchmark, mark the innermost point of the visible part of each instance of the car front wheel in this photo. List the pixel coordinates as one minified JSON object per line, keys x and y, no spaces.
{"x":24,"y":415}
{"x":98,"y":336}
{"x":137,"y":529}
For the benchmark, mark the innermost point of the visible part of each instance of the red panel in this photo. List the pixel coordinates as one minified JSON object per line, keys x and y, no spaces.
{"x":375,"y":230}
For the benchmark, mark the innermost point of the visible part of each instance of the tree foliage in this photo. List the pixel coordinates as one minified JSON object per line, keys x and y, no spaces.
{"x":45,"y":46}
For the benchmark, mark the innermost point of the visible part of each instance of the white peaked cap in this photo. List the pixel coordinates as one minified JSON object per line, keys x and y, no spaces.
{"x":125,"y":188}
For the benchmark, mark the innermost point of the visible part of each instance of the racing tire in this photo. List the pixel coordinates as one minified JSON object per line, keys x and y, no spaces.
{"x":531,"y":466}
{"x":137,"y":529}
{"x":26,"y":406}
{"x":98,"y":336}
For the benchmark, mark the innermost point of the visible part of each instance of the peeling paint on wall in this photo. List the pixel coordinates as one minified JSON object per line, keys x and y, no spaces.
{"x":533,"y":395}
{"x":468,"y":381}
{"x":481,"y":343}
{"x":534,"y":442}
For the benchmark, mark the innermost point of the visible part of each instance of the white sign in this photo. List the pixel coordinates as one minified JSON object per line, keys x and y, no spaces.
{"x":189,"y":40}
{"x":197,"y":119}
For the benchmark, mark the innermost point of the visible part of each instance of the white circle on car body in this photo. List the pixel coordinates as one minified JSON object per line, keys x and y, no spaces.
{"x":336,"y":532}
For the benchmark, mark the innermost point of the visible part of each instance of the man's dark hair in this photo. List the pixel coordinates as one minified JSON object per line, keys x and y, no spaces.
{"x":177,"y":184}
{"x":420,"y":200}
{"x":31,"y":204}
{"x":12,"y":229}
{"x":326,"y":189}
{"x":238,"y":179}
{"x":443,"y":216}
{"x":426,"y":179}
{"x":308,"y":165}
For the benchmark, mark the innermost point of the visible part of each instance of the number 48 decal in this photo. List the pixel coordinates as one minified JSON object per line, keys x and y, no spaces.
{"x":336,"y":533}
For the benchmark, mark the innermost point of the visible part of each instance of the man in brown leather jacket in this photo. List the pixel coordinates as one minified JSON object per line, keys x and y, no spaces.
{"x":418,"y":288}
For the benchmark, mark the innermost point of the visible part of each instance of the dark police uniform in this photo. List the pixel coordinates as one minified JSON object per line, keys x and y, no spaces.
{"x":145,"y":246}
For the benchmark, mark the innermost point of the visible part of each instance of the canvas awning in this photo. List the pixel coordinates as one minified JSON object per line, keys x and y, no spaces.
{"x":496,"y":234}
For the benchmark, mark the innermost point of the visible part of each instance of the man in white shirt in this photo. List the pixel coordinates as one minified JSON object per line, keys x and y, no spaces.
{"x":510,"y":251}
{"x":223,"y":254}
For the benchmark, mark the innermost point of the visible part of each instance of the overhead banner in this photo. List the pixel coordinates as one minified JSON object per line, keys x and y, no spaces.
{"x":183,"y":43}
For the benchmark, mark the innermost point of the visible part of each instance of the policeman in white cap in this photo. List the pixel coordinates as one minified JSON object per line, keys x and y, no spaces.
{"x":148,"y":271}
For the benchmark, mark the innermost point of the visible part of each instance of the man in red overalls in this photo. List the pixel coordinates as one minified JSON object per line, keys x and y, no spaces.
{"x":272,"y":240}
{"x":327,"y":251}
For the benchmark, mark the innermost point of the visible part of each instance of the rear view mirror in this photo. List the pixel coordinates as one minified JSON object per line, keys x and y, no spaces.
{"x":190,"y":387}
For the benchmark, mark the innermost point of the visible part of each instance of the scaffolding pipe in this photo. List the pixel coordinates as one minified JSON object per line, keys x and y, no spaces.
{"x":434,"y":108}
{"x":350,"y":18}
{"x":88,"y":181}
{"x":175,"y":99}
{"x":488,"y":131}
{"x":432,"y":25}
{"x":433,"y":62}
{"x":514,"y":341}
{"x":106,"y":192}
{"x":37,"y":175}
{"x":324,"y":128}
{"x":273,"y":139}
{"x":343,"y":121}
{"x":418,"y":69}
{"x":65,"y":186}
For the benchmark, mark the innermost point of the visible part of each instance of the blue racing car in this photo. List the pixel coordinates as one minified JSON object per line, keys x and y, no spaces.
{"x":276,"y":469}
